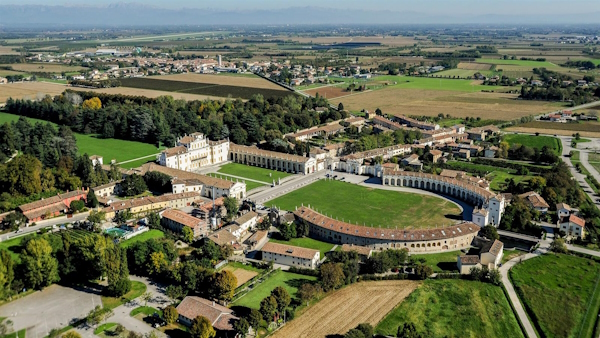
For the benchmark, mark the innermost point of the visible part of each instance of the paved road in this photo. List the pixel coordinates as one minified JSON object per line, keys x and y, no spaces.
{"x":566,"y":144}
{"x":45,"y":223}
{"x":287,"y":186}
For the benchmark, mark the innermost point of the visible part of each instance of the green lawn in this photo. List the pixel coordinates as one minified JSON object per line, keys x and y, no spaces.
{"x":104,"y":327}
{"x":582,"y":140}
{"x":290,"y":281}
{"x":138,"y":163}
{"x":371,"y":207}
{"x":454,"y":308}
{"x":121,"y":150}
{"x":594,"y":161}
{"x":137,"y":289}
{"x":153,"y":233}
{"x":254,"y":173}
{"x":146,"y":310}
{"x":309,"y":243}
{"x":440,"y":262}
{"x":499,"y":179}
{"x":18,"y":334}
{"x":534,"y":141}
{"x":457,"y":72}
{"x":13,"y":246}
{"x":526,"y":63}
{"x":249,"y":184}
{"x":560,"y":294}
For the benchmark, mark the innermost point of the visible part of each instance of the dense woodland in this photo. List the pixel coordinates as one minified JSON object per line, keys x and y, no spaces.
{"x":163,"y":119}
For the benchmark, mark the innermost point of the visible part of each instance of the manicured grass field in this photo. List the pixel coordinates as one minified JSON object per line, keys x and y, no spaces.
{"x":526,"y":63}
{"x":457,"y":72}
{"x":146,"y":310}
{"x":582,"y":140}
{"x":249,"y":184}
{"x":18,"y":334}
{"x":534,"y":141}
{"x":290,"y":281}
{"x":253,"y":173}
{"x":496,"y":175}
{"x":371,"y":207}
{"x":13,"y":246}
{"x":104,"y":327}
{"x":440,"y":262}
{"x":432,"y":83}
{"x":499,"y":179}
{"x":154,"y":233}
{"x":560,"y":293}
{"x":309,"y":243}
{"x":454,"y":308}
{"x":121,"y":150}
{"x":137,"y":289}
{"x":137,"y":163}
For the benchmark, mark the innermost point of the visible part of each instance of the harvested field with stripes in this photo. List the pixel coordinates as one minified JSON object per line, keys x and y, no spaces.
{"x":366,"y":302}
{"x":474,"y":66}
{"x":240,"y":80}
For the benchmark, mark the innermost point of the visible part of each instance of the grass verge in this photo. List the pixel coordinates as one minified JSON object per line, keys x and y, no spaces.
{"x":137,"y":289}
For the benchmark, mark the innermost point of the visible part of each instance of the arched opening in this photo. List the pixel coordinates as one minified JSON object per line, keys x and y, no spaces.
{"x":422,"y":184}
{"x":404,"y":183}
{"x":386,"y":181}
{"x":393,"y":182}
{"x":428,"y":186}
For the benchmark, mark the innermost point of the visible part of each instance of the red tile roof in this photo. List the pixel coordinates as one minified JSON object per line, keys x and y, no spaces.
{"x":220,"y":317}
{"x":576,"y":220}
{"x":289,"y":250}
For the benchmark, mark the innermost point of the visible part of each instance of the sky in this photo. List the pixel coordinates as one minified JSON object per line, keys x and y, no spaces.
{"x":451,"y":7}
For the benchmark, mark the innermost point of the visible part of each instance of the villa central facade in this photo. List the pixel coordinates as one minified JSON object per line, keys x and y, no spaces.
{"x":193,"y":152}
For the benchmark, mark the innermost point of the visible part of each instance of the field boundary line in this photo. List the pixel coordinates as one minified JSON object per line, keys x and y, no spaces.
{"x":139,"y":158}
{"x":589,"y":306}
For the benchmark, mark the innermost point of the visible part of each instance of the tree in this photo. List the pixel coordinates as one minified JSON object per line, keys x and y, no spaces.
{"x":308,"y":291}
{"x":490,"y":232}
{"x":134,"y":185}
{"x":188,"y":234}
{"x":282,"y":297}
{"x":93,"y":104}
{"x":354,"y":333}
{"x":422,"y":271}
{"x":408,"y":330}
{"x":332,"y":276}
{"x":503,"y":149}
{"x":223,"y":285}
{"x":170,"y":314}
{"x":340,"y":106}
{"x":7,"y":274}
{"x":254,"y":318}
{"x":537,"y":183}
{"x":366,"y":329}
{"x":97,"y":315}
{"x":146,"y":297}
{"x":231,"y":205}
{"x":71,"y":334}
{"x":40,"y":268}
{"x":201,"y":328}
{"x":13,"y":220}
{"x":92,"y":200}
{"x":156,"y":263}
{"x":76,"y":206}
{"x":495,"y":277}
{"x":97,"y":217}
{"x":558,"y":246}
{"x":268,"y":306}
{"x":241,"y":327}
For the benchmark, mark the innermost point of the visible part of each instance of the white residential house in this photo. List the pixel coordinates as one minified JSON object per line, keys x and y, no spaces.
{"x":573,"y":226}
{"x":563,"y":210}
{"x":290,"y":255}
{"x":247,"y":221}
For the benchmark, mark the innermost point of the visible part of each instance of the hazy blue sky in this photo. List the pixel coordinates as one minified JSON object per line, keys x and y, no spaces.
{"x":432,"y":6}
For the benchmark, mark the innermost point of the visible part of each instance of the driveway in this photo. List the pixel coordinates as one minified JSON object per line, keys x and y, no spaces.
{"x":52,"y":308}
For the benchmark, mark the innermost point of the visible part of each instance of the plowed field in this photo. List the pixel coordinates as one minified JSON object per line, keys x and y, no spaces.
{"x":366,"y":302}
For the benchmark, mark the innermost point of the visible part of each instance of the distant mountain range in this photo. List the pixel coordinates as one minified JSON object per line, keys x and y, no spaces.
{"x":136,"y":14}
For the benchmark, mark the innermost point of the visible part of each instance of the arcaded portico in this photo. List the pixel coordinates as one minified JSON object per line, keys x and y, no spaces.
{"x":272,"y":159}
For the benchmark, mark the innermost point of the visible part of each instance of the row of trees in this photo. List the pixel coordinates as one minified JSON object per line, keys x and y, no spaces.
{"x":163,"y":119}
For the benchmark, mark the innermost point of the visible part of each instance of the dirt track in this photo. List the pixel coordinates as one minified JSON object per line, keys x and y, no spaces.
{"x":366,"y":302}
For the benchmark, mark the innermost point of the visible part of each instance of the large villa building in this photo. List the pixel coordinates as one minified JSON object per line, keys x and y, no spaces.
{"x":272,"y":159}
{"x":193,"y":152}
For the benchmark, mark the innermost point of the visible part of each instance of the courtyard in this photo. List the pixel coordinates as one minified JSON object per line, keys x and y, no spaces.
{"x":372,"y":207}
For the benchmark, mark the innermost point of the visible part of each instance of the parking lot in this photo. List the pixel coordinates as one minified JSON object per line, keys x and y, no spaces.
{"x":54,"y":307}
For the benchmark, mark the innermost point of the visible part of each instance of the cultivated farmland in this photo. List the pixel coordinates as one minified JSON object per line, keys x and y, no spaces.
{"x":372,"y":207}
{"x":201,"y":88}
{"x":147,"y":93}
{"x":239,"y":80}
{"x":44,"y":67}
{"x":474,"y":66}
{"x":366,"y":302}
{"x":29,"y":90}
{"x":590,"y":129}
{"x":329,"y":92}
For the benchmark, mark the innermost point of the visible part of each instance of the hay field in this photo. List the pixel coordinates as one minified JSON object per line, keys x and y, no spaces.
{"x":329,"y":92}
{"x":366,"y":302}
{"x":474,"y":66}
{"x":29,"y":90}
{"x":147,"y":93}
{"x":394,"y":100}
{"x":387,"y":40}
{"x":44,"y":67}
{"x":8,"y":50}
{"x":228,"y":80}
{"x":242,"y":275}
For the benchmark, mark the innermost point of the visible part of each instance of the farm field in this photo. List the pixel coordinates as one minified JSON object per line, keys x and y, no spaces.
{"x":525,"y":63}
{"x":242,"y":272}
{"x":454,"y":308}
{"x":201,"y":88}
{"x":463,"y":73}
{"x":239,"y":80}
{"x":441,"y":262}
{"x":397,"y":100}
{"x":8,"y":50}
{"x":556,"y":310}
{"x":372,"y":207}
{"x":366,"y":302}
{"x":121,"y":150}
{"x":387,"y":40}
{"x":474,"y":66}
{"x":44,"y":67}
{"x":290,"y":281}
{"x":152,"y":234}
{"x":306,"y":242}
{"x":590,"y":129}
{"x":329,"y":92}
{"x":251,"y":172}
{"x":29,"y":90}
{"x":534,"y":141}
